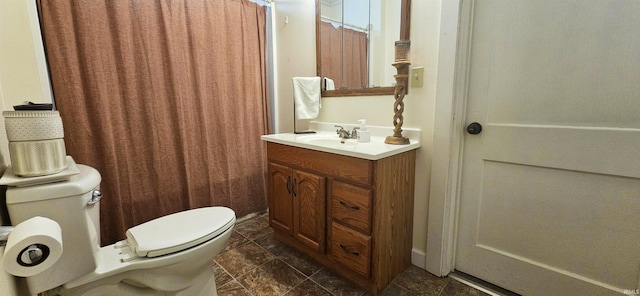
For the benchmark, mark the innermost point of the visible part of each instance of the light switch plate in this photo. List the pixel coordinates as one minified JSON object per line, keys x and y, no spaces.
{"x":417,"y":76}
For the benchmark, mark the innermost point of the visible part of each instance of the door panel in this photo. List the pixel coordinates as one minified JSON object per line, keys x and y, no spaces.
{"x":280,"y":201}
{"x":550,"y":190}
{"x":565,"y":220}
{"x":563,"y":147}
{"x":309,"y":200}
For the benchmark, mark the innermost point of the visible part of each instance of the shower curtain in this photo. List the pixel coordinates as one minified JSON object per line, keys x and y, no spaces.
{"x":344,"y":56}
{"x":166,"y":99}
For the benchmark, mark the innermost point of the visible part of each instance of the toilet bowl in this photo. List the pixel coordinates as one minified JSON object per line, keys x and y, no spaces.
{"x":171,"y":255}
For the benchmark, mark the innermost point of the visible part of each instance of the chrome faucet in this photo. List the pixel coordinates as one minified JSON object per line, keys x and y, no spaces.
{"x":345,"y":134}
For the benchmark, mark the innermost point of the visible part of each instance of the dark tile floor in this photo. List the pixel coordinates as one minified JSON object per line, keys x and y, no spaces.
{"x":255,"y":263}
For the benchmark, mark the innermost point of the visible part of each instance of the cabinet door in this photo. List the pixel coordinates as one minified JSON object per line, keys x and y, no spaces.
{"x":280,"y":198}
{"x":309,"y":215}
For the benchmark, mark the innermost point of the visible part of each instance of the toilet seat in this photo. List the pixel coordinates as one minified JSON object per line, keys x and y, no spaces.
{"x":179,"y":231}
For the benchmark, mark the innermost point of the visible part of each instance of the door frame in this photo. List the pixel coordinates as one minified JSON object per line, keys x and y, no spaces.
{"x":448,"y":140}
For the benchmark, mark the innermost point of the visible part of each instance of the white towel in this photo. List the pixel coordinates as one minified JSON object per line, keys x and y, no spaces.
{"x":329,"y":84}
{"x":306,"y":96}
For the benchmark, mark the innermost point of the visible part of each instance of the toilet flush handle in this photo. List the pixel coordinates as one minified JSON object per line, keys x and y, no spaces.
{"x":96,"y":196}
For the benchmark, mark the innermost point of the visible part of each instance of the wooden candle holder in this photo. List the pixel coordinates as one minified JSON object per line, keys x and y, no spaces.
{"x":402,"y":80}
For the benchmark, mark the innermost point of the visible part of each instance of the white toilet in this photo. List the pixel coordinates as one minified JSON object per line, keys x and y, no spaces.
{"x":170,"y":255}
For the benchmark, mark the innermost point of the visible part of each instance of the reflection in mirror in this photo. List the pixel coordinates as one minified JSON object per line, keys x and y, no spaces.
{"x":355,"y":45}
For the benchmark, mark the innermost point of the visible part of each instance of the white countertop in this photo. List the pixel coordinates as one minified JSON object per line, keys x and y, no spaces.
{"x":373,"y":150}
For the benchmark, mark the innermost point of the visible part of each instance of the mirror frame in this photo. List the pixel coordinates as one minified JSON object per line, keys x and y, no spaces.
{"x":405,"y":20}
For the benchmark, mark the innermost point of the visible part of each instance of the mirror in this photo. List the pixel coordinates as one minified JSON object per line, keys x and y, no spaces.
{"x":355,"y":45}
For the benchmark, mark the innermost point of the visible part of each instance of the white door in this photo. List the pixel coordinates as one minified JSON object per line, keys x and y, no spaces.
{"x":550,"y":189}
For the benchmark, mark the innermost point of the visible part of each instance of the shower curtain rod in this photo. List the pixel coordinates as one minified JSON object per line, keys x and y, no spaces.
{"x":263,"y":2}
{"x":347,"y":25}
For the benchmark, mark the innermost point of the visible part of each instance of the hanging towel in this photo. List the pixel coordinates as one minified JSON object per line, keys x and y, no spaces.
{"x":329,"y":84}
{"x":306,"y":97}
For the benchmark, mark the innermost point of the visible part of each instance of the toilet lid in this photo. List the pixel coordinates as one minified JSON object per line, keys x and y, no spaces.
{"x":179,"y":231}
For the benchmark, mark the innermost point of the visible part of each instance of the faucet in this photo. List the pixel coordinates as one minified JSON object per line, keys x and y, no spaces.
{"x":345,"y":134}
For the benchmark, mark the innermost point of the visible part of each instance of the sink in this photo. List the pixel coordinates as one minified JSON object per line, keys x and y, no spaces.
{"x":329,"y":141}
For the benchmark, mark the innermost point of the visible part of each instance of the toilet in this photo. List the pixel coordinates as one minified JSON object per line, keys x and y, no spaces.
{"x":171,"y":255}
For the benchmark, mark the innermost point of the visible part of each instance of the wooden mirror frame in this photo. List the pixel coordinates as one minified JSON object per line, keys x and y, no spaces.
{"x":405,"y":20}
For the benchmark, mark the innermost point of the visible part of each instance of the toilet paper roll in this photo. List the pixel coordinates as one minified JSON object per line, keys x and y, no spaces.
{"x":33,"y":246}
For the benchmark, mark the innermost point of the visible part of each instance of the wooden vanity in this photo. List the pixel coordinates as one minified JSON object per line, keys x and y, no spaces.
{"x":350,"y":214}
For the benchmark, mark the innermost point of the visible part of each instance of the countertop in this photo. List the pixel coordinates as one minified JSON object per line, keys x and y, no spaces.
{"x":373,"y":150}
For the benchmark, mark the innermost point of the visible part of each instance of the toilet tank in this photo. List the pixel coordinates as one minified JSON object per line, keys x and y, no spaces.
{"x":67,"y":203}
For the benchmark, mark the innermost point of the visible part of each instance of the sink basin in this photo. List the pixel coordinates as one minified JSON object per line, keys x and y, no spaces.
{"x":330,"y":141}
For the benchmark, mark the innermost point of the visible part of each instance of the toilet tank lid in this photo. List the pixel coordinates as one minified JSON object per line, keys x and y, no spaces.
{"x":179,"y":231}
{"x":87,"y":180}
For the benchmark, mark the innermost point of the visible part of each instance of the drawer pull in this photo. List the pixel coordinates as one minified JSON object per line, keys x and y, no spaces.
{"x":293,"y":188}
{"x":346,"y":205}
{"x":346,"y":249}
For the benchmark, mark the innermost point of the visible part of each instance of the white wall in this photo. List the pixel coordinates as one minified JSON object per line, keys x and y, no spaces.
{"x":23,"y":73}
{"x":22,"y":63}
{"x":378,"y":110}
{"x":294,"y":31}
{"x":23,"y":77}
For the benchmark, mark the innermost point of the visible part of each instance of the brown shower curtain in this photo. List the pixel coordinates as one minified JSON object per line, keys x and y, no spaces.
{"x":167,"y":99}
{"x":344,"y":56}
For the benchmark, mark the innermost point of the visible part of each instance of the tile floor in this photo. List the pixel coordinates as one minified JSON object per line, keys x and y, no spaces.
{"x":255,"y":263}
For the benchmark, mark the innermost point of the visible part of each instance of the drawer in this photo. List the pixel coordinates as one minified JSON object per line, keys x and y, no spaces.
{"x":351,"y":205}
{"x":345,"y":167}
{"x":351,"y":249}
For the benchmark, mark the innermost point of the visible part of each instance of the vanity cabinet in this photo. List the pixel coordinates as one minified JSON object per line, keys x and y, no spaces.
{"x":352,"y":215}
{"x":297,"y":205}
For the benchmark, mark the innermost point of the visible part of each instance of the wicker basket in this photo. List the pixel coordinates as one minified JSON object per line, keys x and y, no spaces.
{"x":36,"y":144}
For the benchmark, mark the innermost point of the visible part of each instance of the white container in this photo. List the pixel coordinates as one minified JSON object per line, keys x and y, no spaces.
{"x":364,"y":134}
{"x":36,"y":144}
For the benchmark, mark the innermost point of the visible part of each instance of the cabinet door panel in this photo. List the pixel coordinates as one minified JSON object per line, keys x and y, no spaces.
{"x":309,"y":216}
{"x":280,"y":198}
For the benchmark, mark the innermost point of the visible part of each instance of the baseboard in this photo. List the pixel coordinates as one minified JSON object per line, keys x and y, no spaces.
{"x":419,"y":258}
{"x":250,"y":216}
